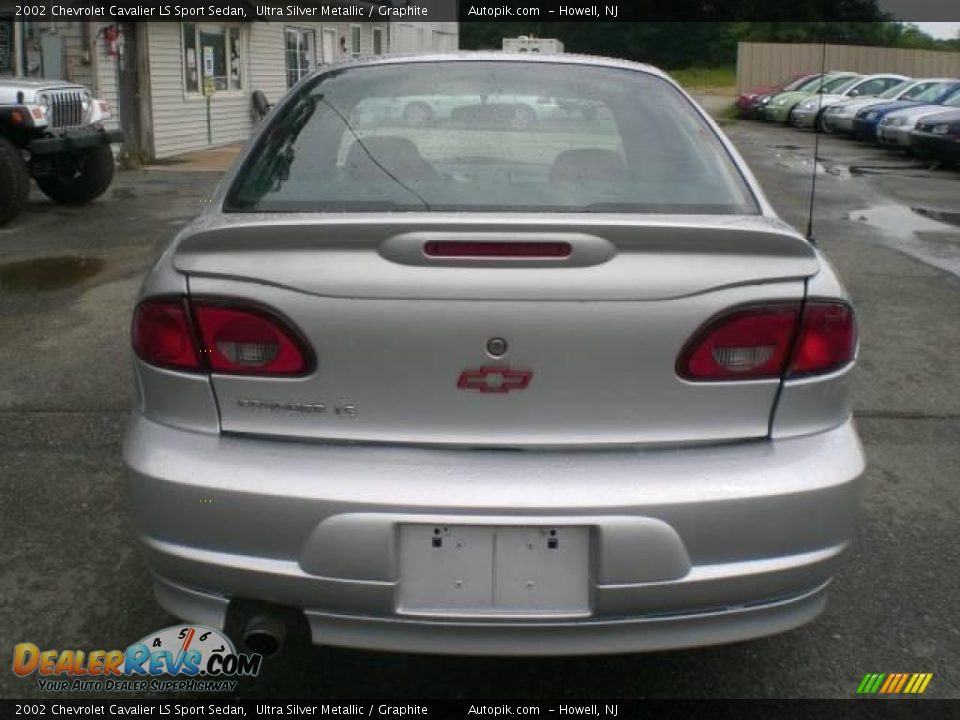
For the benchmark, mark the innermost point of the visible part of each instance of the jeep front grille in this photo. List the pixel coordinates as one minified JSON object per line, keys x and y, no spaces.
{"x":66,"y":108}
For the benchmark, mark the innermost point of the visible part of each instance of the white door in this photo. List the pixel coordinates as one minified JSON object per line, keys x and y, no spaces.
{"x":329,"y":46}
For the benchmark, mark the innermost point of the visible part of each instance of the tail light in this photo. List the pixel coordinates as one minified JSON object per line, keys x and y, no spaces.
{"x":248,"y":341}
{"x":217,"y":336}
{"x":827,"y":339}
{"x":162,"y":335}
{"x":769,"y":341}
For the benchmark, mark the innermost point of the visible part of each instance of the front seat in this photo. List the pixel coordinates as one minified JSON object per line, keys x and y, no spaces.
{"x":588,"y":165}
{"x":397,"y":155}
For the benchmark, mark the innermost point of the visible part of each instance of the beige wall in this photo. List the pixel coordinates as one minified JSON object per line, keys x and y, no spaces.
{"x":179,"y":118}
{"x":761,"y":64}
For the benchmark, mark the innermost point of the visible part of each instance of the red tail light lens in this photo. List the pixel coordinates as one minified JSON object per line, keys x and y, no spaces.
{"x":755,"y":342}
{"x":248,"y":341}
{"x":228,"y":338}
{"x":746,"y":344}
{"x":827,"y":340}
{"x":162,"y":335}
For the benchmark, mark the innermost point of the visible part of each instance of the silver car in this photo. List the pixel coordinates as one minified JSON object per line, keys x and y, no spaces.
{"x":484,"y":391}
{"x":894,"y":129}
{"x":840,"y":117}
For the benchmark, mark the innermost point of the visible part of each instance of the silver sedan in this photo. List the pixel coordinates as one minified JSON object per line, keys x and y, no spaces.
{"x":486,"y":389}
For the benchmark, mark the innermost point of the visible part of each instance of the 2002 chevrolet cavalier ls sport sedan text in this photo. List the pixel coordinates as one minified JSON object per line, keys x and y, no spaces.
{"x":464,"y":385}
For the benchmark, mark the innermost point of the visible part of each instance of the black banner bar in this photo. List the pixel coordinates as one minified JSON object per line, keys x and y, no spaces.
{"x":486,"y":10}
{"x":857,"y":709}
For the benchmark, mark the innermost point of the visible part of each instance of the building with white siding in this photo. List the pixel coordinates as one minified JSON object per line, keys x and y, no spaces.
{"x":158,"y":74}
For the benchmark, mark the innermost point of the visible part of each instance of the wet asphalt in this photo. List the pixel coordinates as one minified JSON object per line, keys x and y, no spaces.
{"x":72,"y":578}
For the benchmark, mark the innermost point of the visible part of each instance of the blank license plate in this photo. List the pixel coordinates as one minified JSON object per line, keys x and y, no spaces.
{"x":483,"y":570}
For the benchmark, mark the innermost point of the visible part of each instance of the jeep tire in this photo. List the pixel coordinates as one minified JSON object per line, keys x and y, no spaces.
{"x":14,"y":181}
{"x":78,"y":177}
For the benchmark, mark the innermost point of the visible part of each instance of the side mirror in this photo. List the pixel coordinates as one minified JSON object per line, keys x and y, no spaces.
{"x":854,"y":93}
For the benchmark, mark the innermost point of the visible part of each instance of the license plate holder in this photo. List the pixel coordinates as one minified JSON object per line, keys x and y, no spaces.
{"x":481,"y":570}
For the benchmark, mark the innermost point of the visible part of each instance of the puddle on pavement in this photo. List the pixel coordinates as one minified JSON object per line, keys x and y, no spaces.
{"x":49,"y":273}
{"x":949,"y":217}
{"x":917,"y":231}
{"x":804,"y":165}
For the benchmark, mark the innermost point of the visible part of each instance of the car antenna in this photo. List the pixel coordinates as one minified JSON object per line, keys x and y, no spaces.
{"x":816,"y":142}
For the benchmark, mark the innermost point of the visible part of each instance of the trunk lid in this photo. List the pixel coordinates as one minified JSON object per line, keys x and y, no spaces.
{"x":403,"y":340}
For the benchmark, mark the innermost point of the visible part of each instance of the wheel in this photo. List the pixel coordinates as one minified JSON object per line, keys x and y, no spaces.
{"x":821,"y":125}
{"x":14,"y":181}
{"x":418,"y":113}
{"x":77,"y":178}
{"x":523,"y":117}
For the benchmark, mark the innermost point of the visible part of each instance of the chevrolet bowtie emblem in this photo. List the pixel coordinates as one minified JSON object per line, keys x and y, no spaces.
{"x":494,"y":379}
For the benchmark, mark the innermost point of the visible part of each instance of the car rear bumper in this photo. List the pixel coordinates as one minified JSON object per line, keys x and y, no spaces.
{"x":838,"y":123}
{"x":895,"y":136}
{"x":779,"y":114}
{"x":865,"y":130}
{"x":687,"y":546}
{"x":803,"y":118}
{"x":938,"y":147}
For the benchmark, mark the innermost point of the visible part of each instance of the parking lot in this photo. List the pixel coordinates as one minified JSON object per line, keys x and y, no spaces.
{"x":72,"y":577}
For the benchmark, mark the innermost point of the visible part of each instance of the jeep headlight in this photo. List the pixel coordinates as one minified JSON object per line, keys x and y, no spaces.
{"x":86,"y":102}
{"x":872,"y":115}
{"x":808,"y":104}
{"x":941,"y":129}
{"x":765,"y":99}
{"x":898,"y":122}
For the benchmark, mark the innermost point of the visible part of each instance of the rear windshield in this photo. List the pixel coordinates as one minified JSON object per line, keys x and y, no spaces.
{"x":489,"y":136}
{"x":813,"y":84}
{"x":840,"y":85}
{"x":934,"y":92}
{"x":800,"y":83}
{"x":894,"y":91}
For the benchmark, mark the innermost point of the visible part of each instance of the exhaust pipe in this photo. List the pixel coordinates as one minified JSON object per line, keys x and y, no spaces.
{"x":264,"y":633}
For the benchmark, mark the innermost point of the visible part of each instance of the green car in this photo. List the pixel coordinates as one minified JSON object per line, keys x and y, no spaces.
{"x":779,"y":107}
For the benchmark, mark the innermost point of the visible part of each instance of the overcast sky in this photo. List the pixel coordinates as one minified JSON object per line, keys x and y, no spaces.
{"x":942,"y":30}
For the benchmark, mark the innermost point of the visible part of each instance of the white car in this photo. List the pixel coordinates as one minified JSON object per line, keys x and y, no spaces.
{"x":839,"y":117}
{"x":809,"y":113}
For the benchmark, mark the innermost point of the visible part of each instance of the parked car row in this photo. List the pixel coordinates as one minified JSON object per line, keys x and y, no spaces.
{"x":920,"y":115}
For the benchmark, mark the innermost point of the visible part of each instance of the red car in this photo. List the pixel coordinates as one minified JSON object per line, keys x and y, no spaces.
{"x":749,"y":100}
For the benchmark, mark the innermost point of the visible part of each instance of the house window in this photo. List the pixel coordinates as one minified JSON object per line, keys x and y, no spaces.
{"x":354,"y":40}
{"x":214,"y":52}
{"x":301,"y":53}
{"x":377,"y":41}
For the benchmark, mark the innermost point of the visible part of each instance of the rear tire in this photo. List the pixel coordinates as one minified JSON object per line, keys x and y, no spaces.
{"x":79,"y":177}
{"x":14,"y":181}
{"x":821,"y":125}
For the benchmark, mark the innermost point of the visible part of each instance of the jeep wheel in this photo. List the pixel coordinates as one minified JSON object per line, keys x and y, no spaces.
{"x":14,"y":181}
{"x":77,"y":178}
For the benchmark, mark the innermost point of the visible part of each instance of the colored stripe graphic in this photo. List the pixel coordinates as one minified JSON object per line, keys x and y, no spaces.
{"x":894,"y":683}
